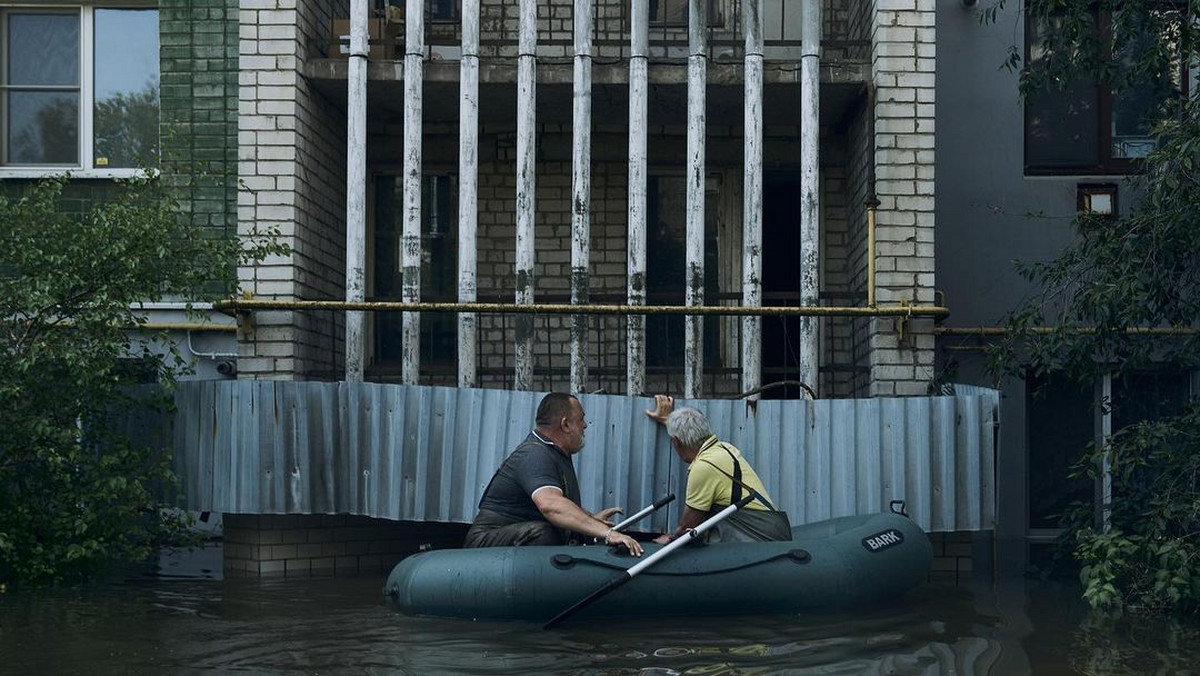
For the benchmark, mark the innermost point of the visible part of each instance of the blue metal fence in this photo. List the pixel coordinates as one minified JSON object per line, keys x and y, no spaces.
{"x":427,"y":453}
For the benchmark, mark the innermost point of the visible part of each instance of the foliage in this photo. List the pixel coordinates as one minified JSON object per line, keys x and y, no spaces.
{"x":1125,"y":294}
{"x":1150,"y":556}
{"x":74,"y":492}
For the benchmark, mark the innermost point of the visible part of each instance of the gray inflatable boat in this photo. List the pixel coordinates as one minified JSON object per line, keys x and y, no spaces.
{"x":841,"y":563}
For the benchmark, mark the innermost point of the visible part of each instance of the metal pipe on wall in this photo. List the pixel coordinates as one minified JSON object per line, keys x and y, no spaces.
{"x":356,"y":186}
{"x":872,"y":206}
{"x":810,"y":188}
{"x":693,"y":359}
{"x":526,"y":128}
{"x":468,"y":182}
{"x":752,"y":188}
{"x":639,"y":52}
{"x":251,"y":304}
{"x":410,"y":238}
{"x":581,"y":188}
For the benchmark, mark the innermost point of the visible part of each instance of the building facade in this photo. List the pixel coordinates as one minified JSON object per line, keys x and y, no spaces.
{"x":918,"y":131}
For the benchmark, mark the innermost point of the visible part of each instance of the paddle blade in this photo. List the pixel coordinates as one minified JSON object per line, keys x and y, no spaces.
{"x":612,"y":584}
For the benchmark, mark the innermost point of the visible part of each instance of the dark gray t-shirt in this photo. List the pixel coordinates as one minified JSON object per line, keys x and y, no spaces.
{"x":532,"y":465}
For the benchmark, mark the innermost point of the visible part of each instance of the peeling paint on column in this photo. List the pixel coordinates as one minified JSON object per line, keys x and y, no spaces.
{"x":581,"y":188}
{"x":694,"y":281}
{"x":752,"y":186}
{"x":635,"y":378}
{"x":356,"y":185}
{"x":410,"y":255}
{"x":526,"y":130}
{"x":468,"y":198}
{"x":810,"y":188}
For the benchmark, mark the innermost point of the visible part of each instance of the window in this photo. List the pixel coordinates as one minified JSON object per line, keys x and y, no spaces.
{"x":435,"y":10}
{"x":1064,"y":417}
{"x":675,"y":12}
{"x":439,"y":272}
{"x":1082,"y":127}
{"x":78,"y":89}
{"x":666,"y":256}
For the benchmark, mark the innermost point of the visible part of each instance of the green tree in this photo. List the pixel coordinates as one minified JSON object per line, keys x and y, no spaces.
{"x":74,"y":492}
{"x":1124,"y":295}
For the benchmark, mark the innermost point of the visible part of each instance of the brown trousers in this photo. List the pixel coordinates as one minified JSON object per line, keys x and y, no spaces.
{"x":495,"y":530}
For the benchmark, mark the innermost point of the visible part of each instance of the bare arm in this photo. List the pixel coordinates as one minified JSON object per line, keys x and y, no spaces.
{"x":688,"y":520}
{"x":564,"y":513}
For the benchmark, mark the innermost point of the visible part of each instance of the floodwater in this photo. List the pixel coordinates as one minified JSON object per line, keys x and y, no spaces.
{"x":183,"y":618}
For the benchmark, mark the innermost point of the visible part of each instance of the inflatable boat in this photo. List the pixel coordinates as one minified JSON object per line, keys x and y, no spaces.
{"x":836,"y":564}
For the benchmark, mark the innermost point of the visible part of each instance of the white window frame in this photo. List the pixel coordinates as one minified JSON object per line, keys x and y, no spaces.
{"x":87,"y":103}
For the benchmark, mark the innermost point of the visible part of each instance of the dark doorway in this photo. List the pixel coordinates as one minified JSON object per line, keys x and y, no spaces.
{"x":781,"y":284}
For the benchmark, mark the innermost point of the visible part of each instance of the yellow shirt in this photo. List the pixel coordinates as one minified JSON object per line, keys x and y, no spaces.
{"x":706,"y":486}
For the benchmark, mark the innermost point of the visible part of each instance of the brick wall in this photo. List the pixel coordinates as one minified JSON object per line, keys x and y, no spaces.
{"x":198,"y":98}
{"x":903,"y":76}
{"x":838,"y":227}
{"x":952,"y":557}
{"x":292,"y":168}
{"x":300,"y":545}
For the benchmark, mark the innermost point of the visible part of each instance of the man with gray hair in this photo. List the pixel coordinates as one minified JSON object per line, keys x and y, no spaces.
{"x":718,"y":476}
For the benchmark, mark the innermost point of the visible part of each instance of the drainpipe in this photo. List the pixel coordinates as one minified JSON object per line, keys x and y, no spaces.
{"x":810,"y":188}
{"x":356,"y":186}
{"x":410,"y":239}
{"x":693,"y":369}
{"x":581,"y":187}
{"x":639,"y":51}
{"x":752,"y":182}
{"x":526,"y":121}
{"x":468,"y":182}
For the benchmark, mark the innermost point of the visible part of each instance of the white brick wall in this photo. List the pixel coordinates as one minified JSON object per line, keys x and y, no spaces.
{"x":903,"y":72}
{"x":291,"y":166}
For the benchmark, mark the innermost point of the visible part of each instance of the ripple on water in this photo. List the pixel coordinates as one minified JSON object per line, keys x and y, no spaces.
{"x":137,"y":624}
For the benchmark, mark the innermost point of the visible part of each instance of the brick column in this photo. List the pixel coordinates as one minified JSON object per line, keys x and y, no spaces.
{"x":291,"y":162}
{"x":902,"y":68}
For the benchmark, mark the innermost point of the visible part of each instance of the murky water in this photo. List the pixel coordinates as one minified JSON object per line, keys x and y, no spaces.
{"x":189,"y":621}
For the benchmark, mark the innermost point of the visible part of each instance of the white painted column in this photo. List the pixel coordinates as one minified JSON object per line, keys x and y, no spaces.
{"x":810,"y":189}
{"x":693,"y":364}
{"x":356,"y":186}
{"x":639,"y":48}
{"x":526,"y":128}
{"x":468,"y":186}
{"x":581,"y":189}
{"x":752,"y":187}
{"x":410,"y":239}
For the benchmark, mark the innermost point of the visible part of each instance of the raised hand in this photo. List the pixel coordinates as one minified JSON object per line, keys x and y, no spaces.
{"x":663,"y":405}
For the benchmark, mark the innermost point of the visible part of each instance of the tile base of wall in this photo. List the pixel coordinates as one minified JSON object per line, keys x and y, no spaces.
{"x":300,"y":545}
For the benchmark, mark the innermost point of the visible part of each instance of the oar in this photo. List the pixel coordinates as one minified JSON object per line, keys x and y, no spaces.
{"x":627,"y":575}
{"x":642,"y":514}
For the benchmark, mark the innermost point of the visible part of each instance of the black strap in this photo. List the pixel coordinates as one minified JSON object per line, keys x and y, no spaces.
{"x":738,"y":484}
{"x":735,"y":493}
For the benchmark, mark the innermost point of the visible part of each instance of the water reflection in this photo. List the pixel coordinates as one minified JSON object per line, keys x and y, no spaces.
{"x":141,"y":623}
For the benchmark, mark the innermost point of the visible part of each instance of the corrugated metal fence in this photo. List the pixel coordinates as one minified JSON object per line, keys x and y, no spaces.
{"x":427,"y":453}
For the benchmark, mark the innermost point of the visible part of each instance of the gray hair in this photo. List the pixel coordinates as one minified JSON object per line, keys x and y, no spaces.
{"x":689,"y":426}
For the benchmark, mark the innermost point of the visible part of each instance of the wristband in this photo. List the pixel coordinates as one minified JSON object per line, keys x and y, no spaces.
{"x":606,"y":535}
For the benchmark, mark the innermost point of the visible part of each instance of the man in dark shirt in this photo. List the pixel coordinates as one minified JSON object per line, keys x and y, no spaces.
{"x":533,"y":498}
